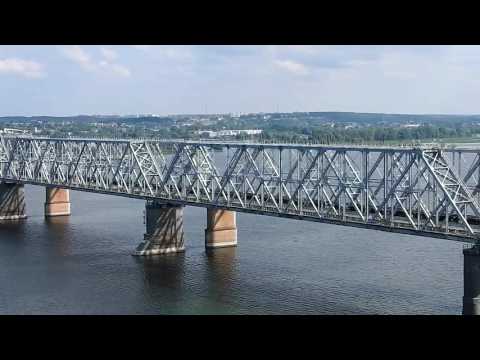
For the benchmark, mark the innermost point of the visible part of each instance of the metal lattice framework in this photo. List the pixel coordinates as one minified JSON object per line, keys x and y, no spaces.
{"x":422,"y":191}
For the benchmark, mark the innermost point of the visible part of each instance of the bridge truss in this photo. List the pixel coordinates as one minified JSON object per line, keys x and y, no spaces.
{"x":422,"y":191}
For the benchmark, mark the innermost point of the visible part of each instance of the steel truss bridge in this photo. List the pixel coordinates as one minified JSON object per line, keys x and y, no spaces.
{"x":424,"y":191}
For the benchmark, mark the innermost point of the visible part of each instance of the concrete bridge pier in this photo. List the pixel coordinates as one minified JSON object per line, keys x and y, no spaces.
{"x":57,"y":202}
{"x":12,"y":201}
{"x":164,"y":223}
{"x":221,"y":228}
{"x":471,"y":280}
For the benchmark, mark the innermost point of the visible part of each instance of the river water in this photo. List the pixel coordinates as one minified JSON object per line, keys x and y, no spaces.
{"x":82,"y":264}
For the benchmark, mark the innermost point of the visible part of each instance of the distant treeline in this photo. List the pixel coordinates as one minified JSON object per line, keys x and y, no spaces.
{"x":308,"y":117}
{"x":81,"y":119}
{"x":342,"y":117}
{"x":374,"y":134}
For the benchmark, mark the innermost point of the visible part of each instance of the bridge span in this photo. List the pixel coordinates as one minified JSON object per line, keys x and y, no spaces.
{"x":423,"y":190}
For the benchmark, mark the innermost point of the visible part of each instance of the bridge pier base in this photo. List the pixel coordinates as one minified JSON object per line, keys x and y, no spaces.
{"x":57,"y":202}
{"x":471,"y":280}
{"x":12,"y":201}
{"x":164,"y":223}
{"x":221,"y":228}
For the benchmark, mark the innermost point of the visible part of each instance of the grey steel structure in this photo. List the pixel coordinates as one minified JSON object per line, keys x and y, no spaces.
{"x":424,"y":191}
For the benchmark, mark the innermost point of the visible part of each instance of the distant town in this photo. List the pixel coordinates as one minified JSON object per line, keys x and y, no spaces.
{"x":318,"y":127}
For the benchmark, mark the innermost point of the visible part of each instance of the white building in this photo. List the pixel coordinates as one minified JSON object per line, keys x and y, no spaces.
{"x":229,"y":132}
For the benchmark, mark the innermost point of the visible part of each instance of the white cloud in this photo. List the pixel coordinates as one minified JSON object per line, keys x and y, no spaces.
{"x":142,"y":47}
{"x":116,"y":68}
{"x":109,"y":54}
{"x":78,"y":55}
{"x":292,"y":66}
{"x":26,"y":68}
{"x":179,"y":53}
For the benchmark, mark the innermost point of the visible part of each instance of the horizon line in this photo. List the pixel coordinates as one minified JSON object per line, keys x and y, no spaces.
{"x":243,"y":113}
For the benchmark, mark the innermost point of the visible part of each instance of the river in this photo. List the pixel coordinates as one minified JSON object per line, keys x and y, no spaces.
{"x":82,"y":264}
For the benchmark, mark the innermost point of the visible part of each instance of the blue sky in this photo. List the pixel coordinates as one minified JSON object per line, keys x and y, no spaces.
{"x":69,"y":80}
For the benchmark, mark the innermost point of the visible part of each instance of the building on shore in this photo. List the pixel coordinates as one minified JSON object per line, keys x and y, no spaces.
{"x":222,"y":133}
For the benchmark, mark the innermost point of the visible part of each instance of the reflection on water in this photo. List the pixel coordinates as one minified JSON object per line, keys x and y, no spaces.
{"x":221,"y":266}
{"x":162,"y":273}
{"x":58,"y":232}
{"x":12,"y":230}
{"x":82,"y":264}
